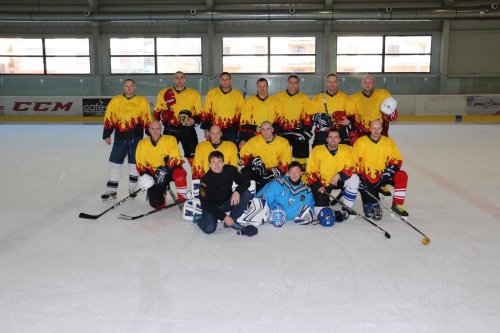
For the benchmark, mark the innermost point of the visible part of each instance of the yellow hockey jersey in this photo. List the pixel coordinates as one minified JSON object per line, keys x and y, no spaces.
{"x":223,"y":109}
{"x":128,"y":117}
{"x":276,"y":153}
{"x":256,"y":110}
{"x":322,"y":165}
{"x":293,"y":110}
{"x":367,"y":108}
{"x":149,"y":156}
{"x":338,"y":102}
{"x":373,"y":157}
{"x":187,"y":99}
{"x":203,"y":149}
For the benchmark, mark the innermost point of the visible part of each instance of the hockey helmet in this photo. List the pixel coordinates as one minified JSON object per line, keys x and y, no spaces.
{"x":389,"y":105}
{"x":326,"y":217}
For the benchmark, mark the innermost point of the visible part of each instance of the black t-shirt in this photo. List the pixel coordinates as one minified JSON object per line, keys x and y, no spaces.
{"x":216,"y":188}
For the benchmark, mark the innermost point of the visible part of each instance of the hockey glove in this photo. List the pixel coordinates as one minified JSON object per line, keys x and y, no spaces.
{"x":166,"y":116}
{"x":145,"y":181}
{"x":184,"y":117}
{"x":322,"y":121}
{"x":393,"y":115}
{"x":271,"y":173}
{"x":161,"y":175}
{"x":169,"y":97}
{"x":388,"y":174}
{"x":258,"y":166}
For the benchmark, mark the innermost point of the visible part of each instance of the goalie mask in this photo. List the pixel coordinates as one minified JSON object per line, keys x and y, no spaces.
{"x":277,"y":216}
{"x":389,"y":105}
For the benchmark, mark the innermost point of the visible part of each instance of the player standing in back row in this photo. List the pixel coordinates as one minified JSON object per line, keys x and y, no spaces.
{"x":127,"y":115}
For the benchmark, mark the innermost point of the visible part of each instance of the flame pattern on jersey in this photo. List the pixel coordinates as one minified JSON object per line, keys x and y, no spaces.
{"x":368,"y":108}
{"x":187,"y":99}
{"x":293,"y":110}
{"x":150,"y":156}
{"x":276,"y":153}
{"x":373,"y":157}
{"x":203,"y":149}
{"x":126,"y":115}
{"x":322,"y":165}
{"x":222,"y":109}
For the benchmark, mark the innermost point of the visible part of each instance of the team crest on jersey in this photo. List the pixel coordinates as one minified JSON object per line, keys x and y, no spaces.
{"x":302,"y":198}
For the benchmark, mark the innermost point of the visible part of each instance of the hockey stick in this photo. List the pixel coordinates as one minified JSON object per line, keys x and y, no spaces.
{"x":128,"y":217}
{"x":426,"y":240}
{"x":95,"y":217}
{"x":386,"y":234}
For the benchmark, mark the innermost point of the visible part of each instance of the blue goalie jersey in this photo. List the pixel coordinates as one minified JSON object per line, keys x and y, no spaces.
{"x":291,"y":198}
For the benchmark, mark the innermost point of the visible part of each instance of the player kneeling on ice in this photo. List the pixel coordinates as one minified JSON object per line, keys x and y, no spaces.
{"x":159,"y":162}
{"x":288,"y":198}
{"x":331,"y":166}
{"x":380,"y":164}
{"x":217,"y":197}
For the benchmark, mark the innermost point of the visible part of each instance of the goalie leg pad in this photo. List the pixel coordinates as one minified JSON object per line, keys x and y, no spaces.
{"x":191,"y":208}
{"x":257,"y":212}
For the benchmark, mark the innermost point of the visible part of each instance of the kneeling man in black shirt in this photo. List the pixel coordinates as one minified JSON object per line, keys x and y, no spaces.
{"x":219,"y":201}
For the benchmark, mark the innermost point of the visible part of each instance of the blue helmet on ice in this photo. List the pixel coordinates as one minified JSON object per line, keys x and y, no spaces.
{"x":278,"y":216}
{"x":326,"y":217}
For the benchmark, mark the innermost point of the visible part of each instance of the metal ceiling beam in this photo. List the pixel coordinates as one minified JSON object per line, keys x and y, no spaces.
{"x":388,"y":14}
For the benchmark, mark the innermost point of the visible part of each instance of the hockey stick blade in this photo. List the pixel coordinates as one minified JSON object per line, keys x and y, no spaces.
{"x":129,"y":218}
{"x":425,"y":241}
{"x":95,"y":217}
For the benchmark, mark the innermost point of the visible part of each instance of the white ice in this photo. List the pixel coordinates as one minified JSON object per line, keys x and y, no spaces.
{"x":60,"y":273}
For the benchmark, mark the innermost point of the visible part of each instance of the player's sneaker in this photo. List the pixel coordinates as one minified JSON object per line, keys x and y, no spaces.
{"x":109,"y":194}
{"x":399,"y":209}
{"x":384,"y":190}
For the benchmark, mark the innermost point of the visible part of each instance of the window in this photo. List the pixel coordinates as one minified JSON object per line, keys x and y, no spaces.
{"x":269,"y":54}
{"x":44,"y":56}
{"x":155,"y":55}
{"x":384,"y":54}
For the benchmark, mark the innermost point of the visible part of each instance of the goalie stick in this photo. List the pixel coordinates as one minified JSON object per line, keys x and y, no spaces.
{"x":128,"y":217}
{"x":425,"y":241}
{"x":386,"y":234}
{"x":95,"y":217}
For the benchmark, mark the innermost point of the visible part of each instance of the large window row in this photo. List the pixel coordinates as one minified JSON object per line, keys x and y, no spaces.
{"x":155,"y":55}
{"x":44,"y":56}
{"x":384,"y":54}
{"x":269,"y":55}
{"x":262,"y":55}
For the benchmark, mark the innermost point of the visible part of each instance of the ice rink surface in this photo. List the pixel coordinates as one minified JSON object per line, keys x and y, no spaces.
{"x":60,"y":273}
